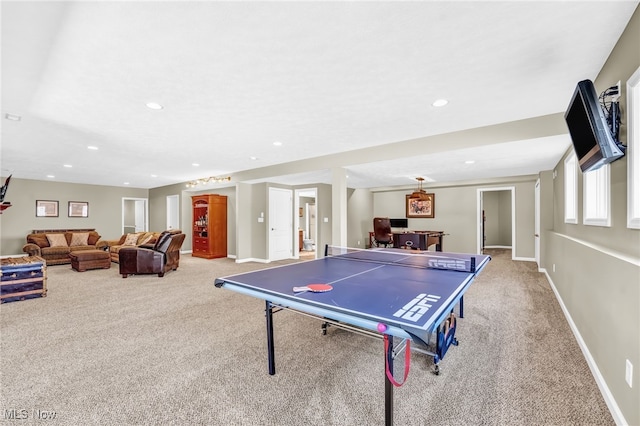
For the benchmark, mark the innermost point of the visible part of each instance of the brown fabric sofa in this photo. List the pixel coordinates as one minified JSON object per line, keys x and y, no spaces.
{"x":131,"y":240}
{"x":54,"y":245}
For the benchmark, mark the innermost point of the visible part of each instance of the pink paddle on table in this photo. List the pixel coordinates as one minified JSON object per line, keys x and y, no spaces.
{"x":314,"y":288}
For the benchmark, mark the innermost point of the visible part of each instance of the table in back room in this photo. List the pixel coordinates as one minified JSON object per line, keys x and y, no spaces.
{"x":385,"y":293}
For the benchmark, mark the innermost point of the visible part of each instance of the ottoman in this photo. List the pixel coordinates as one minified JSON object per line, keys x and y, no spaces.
{"x":90,"y":259}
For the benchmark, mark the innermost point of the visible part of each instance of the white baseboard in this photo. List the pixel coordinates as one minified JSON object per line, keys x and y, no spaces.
{"x":618,"y":417}
{"x":252,"y":259}
{"x":524,"y":259}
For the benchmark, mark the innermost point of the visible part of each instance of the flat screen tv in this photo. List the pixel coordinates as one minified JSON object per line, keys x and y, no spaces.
{"x":399,"y":223}
{"x":592,"y":140}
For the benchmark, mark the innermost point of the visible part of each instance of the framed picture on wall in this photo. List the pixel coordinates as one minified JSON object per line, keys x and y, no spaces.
{"x":78,"y":209}
{"x":46,"y":208}
{"x":424,"y":207}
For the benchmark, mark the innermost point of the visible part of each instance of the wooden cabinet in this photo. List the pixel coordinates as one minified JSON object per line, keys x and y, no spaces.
{"x":209,"y":226}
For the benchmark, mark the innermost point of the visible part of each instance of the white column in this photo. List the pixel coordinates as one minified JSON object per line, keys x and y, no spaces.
{"x":339,"y":207}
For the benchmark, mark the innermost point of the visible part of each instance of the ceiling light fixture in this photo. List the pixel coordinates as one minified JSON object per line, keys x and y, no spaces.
{"x":92,"y":148}
{"x":12,"y":117}
{"x":50,"y":176}
{"x":212,"y":179}
{"x":68,"y":166}
{"x":154,"y":105}
{"x":419,"y":194}
{"x":469,"y":161}
{"x":440,"y":103}
{"x":276,"y":143}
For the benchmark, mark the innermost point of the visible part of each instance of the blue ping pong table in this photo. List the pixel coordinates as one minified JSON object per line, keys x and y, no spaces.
{"x":398,"y":293}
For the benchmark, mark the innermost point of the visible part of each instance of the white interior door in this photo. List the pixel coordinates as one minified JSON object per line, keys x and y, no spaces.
{"x":280,"y":224}
{"x":141,"y":215}
{"x":173,"y":215}
{"x":537,"y":223}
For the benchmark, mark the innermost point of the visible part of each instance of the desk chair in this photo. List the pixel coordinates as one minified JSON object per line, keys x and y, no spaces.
{"x":382,"y":235}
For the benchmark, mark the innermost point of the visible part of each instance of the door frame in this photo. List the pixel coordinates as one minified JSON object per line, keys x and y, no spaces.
{"x":297,"y":206}
{"x":145,"y":202}
{"x":480,"y":207}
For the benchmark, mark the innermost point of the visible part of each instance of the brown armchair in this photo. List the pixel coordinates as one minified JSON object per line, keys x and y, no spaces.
{"x":162,"y":257}
{"x":382,"y":235}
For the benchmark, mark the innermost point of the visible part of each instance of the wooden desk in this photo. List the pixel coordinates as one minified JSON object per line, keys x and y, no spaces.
{"x":420,"y":239}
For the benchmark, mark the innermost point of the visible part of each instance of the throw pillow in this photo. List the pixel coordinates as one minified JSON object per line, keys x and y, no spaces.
{"x":131,"y":240}
{"x":57,"y":240}
{"x":38,"y":239}
{"x":79,"y":239}
{"x":94,"y":237}
{"x":147,"y":239}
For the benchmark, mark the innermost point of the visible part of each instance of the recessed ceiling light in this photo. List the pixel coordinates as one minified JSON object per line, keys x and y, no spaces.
{"x":254,"y":158}
{"x":12,"y":117}
{"x":50,"y":176}
{"x":276,"y":143}
{"x":195,"y":164}
{"x":469,"y":161}
{"x":126,"y":183}
{"x":154,"y":175}
{"x":440,"y":103}
{"x":68,"y":166}
{"x":93,"y":148}
{"x":154,"y":105}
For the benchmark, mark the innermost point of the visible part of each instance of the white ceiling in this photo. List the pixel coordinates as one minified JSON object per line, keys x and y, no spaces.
{"x":319,"y":77}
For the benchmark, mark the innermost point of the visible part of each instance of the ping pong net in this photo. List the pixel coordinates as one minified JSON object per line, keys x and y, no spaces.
{"x":423,"y":260}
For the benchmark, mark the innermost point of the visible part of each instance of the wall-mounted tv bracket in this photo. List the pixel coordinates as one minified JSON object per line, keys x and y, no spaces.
{"x":611,"y":107}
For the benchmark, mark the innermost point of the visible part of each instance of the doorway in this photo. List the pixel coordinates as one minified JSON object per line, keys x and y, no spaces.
{"x":135,"y":215}
{"x":496,"y":219}
{"x":306,"y":227}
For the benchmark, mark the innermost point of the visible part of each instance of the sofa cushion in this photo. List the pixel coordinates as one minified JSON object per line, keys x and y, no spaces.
{"x":79,"y":239}
{"x":131,"y":240}
{"x":38,"y":239}
{"x":147,"y":238}
{"x":57,"y":240}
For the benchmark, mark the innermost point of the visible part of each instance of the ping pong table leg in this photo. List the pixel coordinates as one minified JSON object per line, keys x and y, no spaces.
{"x":388,"y":386}
{"x":270,"y":349}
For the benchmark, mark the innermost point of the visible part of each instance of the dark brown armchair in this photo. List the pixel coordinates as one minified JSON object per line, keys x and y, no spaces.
{"x":163,"y":256}
{"x":382,"y":235}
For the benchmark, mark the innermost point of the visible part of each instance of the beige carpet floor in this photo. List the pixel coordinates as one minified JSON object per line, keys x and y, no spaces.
{"x":103,"y":350}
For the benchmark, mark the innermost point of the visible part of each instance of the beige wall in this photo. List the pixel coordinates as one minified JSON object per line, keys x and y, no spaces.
{"x":597,"y":269}
{"x":105,"y":210}
{"x":456,"y":213}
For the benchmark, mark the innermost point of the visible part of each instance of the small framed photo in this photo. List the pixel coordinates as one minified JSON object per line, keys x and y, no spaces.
{"x":421,"y":207}
{"x":46,"y":208}
{"x":78,"y":209}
